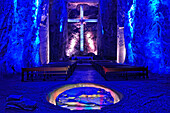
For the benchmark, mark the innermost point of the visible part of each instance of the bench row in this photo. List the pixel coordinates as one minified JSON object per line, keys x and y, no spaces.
{"x":63,"y":69}
{"x":107,"y":69}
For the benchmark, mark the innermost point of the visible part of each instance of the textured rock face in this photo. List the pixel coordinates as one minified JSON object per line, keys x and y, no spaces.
{"x":17,"y":102}
{"x":19,"y":35}
{"x":57,"y":22}
{"x":108,"y":40}
{"x":146,"y":34}
{"x":121,"y":6}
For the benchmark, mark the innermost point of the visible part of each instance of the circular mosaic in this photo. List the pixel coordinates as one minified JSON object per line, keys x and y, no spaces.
{"x":83,"y":96}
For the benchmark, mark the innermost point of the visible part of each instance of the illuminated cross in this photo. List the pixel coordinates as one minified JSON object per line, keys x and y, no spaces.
{"x":82,"y":26}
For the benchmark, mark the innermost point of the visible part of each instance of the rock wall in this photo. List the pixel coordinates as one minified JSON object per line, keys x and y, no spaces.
{"x":58,"y":14}
{"x":121,"y":7}
{"x":19,"y":35}
{"x":108,"y":44}
{"x":146,"y":34}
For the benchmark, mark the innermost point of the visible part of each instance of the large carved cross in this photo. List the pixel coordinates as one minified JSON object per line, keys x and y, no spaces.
{"x":81,"y":20}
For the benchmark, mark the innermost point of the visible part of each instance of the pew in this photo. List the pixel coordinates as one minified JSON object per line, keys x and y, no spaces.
{"x":107,"y":69}
{"x":71,"y":65}
{"x":45,"y":71}
{"x":125,"y":69}
{"x":64,"y":69}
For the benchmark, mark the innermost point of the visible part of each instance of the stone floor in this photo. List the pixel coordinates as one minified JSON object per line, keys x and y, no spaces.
{"x":85,"y":73}
{"x":139,"y":96}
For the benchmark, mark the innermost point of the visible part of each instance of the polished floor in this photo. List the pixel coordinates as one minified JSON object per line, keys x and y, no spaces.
{"x":85,"y":73}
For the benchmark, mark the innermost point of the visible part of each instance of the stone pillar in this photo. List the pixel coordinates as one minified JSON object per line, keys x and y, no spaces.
{"x":121,"y":50}
{"x":44,"y":34}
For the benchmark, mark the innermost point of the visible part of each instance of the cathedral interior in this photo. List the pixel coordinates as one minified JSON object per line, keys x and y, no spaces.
{"x":84,"y":56}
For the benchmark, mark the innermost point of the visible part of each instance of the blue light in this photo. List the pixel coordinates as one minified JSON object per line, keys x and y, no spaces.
{"x":144,"y":35}
{"x":102,"y":30}
{"x":82,"y":37}
{"x":61,"y":24}
{"x":15,"y":7}
{"x":15,"y":12}
{"x":154,"y":46}
{"x":36,"y":7}
{"x":36,"y":43}
{"x":131,"y":54}
{"x":63,"y":14}
{"x":131,"y":16}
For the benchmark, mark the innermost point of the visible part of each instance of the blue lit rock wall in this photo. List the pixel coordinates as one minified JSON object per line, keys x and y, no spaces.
{"x":146,"y":34}
{"x":58,"y":14}
{"x":19,"y":35}
{"x":121,"y":6}
{"x":108,"y":13}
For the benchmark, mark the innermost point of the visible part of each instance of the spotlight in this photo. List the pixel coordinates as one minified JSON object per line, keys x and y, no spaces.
{"x":88,"y":35}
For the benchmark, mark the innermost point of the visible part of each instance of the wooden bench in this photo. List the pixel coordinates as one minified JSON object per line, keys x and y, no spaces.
{"x":106,"y":68}
{"x":125,"y":69}
{"x":45,"y":71}
{"x":70,"y":65}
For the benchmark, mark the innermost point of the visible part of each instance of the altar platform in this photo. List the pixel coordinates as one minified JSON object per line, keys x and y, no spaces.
{"x":82,"y":58}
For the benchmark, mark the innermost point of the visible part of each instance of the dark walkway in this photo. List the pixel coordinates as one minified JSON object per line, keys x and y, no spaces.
{"x":85,"y":73}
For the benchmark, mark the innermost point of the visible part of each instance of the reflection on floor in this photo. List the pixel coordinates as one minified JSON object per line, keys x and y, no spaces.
{"x":85,"y":73}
